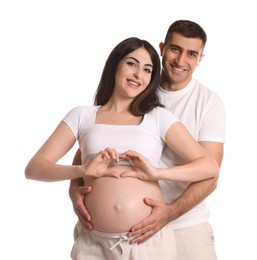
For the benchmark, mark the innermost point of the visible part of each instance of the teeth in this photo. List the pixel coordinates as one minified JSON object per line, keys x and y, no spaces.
{"x":134,"y":83}
{"x":177,"y":69}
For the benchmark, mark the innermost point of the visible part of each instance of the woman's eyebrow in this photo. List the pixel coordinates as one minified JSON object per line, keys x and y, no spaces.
{"x":136,"y":60}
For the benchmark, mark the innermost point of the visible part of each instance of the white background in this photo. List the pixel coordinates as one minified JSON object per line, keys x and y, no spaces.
{"x":51,"y":57}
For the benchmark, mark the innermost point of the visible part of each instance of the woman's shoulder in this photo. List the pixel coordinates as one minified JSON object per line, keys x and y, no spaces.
{"x":161,"y":115}
{"x":80,"y":113}
{"x":79,"y":109}
{"x":160,"y":119}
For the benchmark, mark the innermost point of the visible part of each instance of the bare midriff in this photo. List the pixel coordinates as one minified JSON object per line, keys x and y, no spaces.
{"x":115,"y":205}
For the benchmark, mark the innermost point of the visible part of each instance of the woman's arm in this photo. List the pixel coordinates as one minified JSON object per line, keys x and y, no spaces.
{"x":199,"y":165}
{"x":43,"y":166}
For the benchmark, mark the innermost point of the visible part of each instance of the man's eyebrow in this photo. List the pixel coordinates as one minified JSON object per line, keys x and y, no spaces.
{"x":174,"y":45}
{"x":136,"y":60}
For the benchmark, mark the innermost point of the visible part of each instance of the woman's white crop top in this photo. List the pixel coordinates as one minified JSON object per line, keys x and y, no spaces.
{"x":147,"y":138}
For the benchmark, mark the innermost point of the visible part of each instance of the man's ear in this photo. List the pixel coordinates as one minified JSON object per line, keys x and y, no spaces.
{"x":161,"y":47}
{"x":200,"y":59}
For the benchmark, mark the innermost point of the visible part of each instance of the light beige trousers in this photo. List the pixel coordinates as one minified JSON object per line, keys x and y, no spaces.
{"x":195,"y":243}
{"x":95,"y":245}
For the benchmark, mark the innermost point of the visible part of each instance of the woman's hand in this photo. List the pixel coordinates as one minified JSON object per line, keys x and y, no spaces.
{"x":99,"y":165}
{"x":141,"y":168}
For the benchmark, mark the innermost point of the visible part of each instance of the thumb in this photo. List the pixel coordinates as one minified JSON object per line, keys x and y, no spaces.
{"x":85,"y":189}
{"x":127,"y":174}
{"x":111,"y":173}
{"x":150,"y":202}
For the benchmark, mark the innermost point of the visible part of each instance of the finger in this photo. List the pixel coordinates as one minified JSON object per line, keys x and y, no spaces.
{"x":87,"y":215}
{"x":88,"y":226}
{"x":142,"y":226}
{"x":112,"y":154}
{"x":82,"y":213}
{"x":131,"y":154}
{"x":141,"y":239}
{"x":85,"y":189}
{"x":144,"y":232}
{"x":140,"y":231}
{"x":81,"y":217}
{"x":105,"y":154}
{"x":150,"y":202}
{"x":122,"y":156}
{"x":128,"y":174}
{"x":111,"y":173}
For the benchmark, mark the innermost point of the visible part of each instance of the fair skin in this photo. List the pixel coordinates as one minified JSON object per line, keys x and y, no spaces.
{"x":181,"y":56}
{"x":132,"y":77}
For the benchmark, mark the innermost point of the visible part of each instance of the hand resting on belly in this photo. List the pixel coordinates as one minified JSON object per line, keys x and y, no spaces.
{"x":115,"y":205}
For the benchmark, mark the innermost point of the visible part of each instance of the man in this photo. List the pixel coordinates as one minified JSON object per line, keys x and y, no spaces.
{"x":203,"y":114}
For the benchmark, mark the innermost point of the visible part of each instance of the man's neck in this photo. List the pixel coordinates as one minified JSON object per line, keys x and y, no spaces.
{"x":169,"y":85}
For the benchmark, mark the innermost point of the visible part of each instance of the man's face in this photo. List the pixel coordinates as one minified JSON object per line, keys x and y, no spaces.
{"x":180,"y":57}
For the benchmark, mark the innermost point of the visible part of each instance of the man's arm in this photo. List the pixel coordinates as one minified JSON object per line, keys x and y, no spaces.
{"x":198,"y":191}
{"x":77,"y":193}
{"x":192,"y":196}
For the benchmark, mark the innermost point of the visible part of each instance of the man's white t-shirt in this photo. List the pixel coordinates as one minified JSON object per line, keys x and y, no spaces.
{"x":203,"y":113}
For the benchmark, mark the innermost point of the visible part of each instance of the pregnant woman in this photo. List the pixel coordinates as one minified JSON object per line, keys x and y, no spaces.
{"x":122,"y":135}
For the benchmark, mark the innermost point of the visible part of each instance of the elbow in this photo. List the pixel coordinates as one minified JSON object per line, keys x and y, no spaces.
{"x":215,"y":183}
{"x":215,"y":170}
{"x":29,"y":171}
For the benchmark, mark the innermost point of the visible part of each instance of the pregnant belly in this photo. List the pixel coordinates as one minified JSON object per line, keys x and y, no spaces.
{"x":115,"y":205}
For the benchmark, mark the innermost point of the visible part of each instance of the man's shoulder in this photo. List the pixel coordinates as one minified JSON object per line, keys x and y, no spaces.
{"x":202,"y":89}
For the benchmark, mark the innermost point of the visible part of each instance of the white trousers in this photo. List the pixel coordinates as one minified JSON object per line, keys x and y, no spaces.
{"x":95,"y":245}
{"x":195,"y":242}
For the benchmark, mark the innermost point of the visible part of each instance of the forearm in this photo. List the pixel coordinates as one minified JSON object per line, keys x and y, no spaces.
{"x":198,"y":170}
{"x":195,"y":193}
{"x":43,"y":170}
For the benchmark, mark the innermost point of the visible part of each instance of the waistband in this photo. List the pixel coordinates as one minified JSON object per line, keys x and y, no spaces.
{"x":121,"y":237}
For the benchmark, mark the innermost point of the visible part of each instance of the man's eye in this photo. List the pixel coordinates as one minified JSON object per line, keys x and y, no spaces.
{"x":193,"y":55}
{"x":174,"y":49}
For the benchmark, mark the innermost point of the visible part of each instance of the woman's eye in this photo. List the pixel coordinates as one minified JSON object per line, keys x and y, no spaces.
{"x":130,"y":63}
{"x":148,"y":71}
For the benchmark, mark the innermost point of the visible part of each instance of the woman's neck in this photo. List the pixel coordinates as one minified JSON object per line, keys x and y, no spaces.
{"x":116,"y":113}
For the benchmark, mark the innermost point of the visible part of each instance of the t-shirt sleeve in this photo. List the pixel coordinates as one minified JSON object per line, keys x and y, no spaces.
{"x":166,"y":120}
{"x":213,"y":121}
{"x":72,"y":119}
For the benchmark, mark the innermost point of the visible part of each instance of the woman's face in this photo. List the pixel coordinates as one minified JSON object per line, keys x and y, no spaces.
{"x":133,"y":73}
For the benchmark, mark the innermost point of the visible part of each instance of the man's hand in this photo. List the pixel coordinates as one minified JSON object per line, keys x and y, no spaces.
{"x":77,"y":192}
{"x":152,"y":224}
